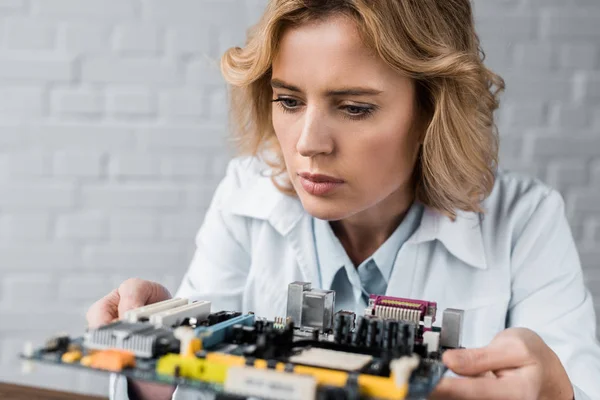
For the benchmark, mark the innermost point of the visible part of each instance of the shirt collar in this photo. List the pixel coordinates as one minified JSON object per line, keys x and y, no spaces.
{"x":462,"y":237}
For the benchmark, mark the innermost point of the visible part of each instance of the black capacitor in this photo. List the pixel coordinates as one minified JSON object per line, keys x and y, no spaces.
{"x":406,"y":337}
{"x":259,"y":324}
{"x":390,"y":334}
{"x":343,"y":324}
{"x":374,"y":332}
{"x":237,"y":333}
{"x":360,"y":333}
{"x":339,"y":324}
{"x":249,"y":334}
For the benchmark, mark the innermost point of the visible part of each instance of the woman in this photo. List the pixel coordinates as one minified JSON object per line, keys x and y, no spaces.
{"x":370,"y":167}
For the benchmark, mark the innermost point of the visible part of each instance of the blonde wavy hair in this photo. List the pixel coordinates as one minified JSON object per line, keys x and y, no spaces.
{"x":432,"y":41}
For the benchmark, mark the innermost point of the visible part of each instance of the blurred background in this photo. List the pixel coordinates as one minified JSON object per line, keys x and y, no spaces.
{"x":112,"y":139}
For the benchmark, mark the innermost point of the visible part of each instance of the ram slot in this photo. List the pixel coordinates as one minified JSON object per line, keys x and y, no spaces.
{"x":145,"y":312}
{"x":215,"y":334}
{"x":175,"y":316}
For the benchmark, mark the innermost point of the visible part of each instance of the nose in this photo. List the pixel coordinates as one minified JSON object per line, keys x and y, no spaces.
{"x":315,"y":137}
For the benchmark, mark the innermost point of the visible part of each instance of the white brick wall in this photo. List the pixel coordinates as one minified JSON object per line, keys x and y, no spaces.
{"x":112,"y":126}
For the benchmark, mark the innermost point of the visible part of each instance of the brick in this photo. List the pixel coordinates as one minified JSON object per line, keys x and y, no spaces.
{"x":534,"y":56}
{"x":130,"y":71}
{"x":218,"y":104}
{"x":36,"y":195}
{"x":86,"y":164}
{"x":87,"y":38}
{"x":110,"y":10}
{"x":77,"y":101}
{"x":22,"y":101}
{"x":186,"y":166}
{"x":570,"y":23}
{"x":183,"y":103}
{"x":23,"y":227}
{"x":79,"y":136}
{"x":138,"y":39}
{"x":579,"y":56}
{"x":11,"y":135}
{"x":179,"y":138}
{"x":588,"y":87}
{"x":196,"y":13}
{"x":188,"y":40}
{"x":133,"y":227}
{"x":564,"y":174}
{"x":90,"y":287}
{"x":198,"y":197}
{"x":182,"y":227}
{"x":133,"y":257}
{"x":204,"y":71}
{"x":494,"y":27}
{"x":131,"y":102}
{"x":533,"y":87}
{"x":36,"y":68}
{"x":595,"y":173}
{"x":576,"y":116}
{"x":572,"y":146}
{"x":82,"y":226}
{"x":28,"y":287}
{"x":511,"y":148}
{"x":30,"y":321}
{"x":133,"y":166}
{"x":28,"y":164}
{"x":29,"y":34}
{"x":12,"y":4}
{"x":49,"y":257}
{"x":523,"y":114}
{"x":590,"y":261}
{"x":586,"y":200}
{"x":132,"y":196}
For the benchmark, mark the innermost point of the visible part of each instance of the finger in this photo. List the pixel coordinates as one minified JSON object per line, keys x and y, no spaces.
{"x":103,"y":311}
{"x":471,"y":362}
{"x":479,"y":389}
{"x":135,"y":293}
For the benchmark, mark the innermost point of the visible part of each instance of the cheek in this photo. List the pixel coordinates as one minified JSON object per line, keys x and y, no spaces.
{"x":387,"y":160}
{"x":284,"y":136}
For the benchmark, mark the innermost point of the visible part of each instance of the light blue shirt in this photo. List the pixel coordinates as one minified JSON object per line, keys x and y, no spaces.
{"x":352,"y":284}
{"x":514,"y":266}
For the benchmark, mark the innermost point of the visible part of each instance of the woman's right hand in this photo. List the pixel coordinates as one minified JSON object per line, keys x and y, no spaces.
{"x":132,"y":293}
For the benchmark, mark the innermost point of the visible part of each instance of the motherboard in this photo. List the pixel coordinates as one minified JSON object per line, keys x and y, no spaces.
{"x":392,"y":351}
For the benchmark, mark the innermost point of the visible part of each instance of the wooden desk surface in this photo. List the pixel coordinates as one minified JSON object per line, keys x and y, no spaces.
{"x":17,"y":392}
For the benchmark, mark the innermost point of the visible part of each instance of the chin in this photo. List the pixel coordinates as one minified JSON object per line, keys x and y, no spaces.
{"x":325,"y":209}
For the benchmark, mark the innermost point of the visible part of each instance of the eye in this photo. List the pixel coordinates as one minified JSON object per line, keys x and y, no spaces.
{"x":357,"y":112}
{"x":286,"y":104}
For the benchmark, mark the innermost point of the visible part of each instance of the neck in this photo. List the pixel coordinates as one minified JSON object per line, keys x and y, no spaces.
{"x":363,"y":233}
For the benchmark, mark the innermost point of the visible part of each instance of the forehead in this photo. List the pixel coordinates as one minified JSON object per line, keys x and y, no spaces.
{"x":329,"y":52}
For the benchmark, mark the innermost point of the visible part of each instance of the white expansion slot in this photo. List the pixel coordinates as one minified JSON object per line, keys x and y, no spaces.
{"x":139,"y":313}
{"x":175,"y":316}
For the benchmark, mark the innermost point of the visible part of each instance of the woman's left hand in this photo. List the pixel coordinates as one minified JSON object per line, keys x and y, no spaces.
{"x":517,"y":364}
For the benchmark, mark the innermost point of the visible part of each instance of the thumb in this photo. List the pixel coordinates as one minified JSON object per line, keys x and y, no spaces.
{"x":103,"y":311}
{"x":135,"y":293}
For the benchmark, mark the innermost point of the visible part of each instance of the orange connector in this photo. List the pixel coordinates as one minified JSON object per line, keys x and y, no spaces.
{"x":113,"y":360}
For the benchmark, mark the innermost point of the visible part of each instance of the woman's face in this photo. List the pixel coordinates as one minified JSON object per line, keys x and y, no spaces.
{"x":345,"y":122}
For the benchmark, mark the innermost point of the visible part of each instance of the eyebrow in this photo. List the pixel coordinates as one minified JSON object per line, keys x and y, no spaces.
{"x":350,"y":91}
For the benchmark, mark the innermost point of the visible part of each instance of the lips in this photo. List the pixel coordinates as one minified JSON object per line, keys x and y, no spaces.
{"x":318,"y":184}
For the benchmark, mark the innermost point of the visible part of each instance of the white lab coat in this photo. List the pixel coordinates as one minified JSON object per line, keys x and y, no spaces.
{"x":516,"y":266}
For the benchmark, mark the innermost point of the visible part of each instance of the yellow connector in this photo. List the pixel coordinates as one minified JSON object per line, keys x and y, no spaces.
{"x":71,"y":357}
{"x":192,"y":367}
